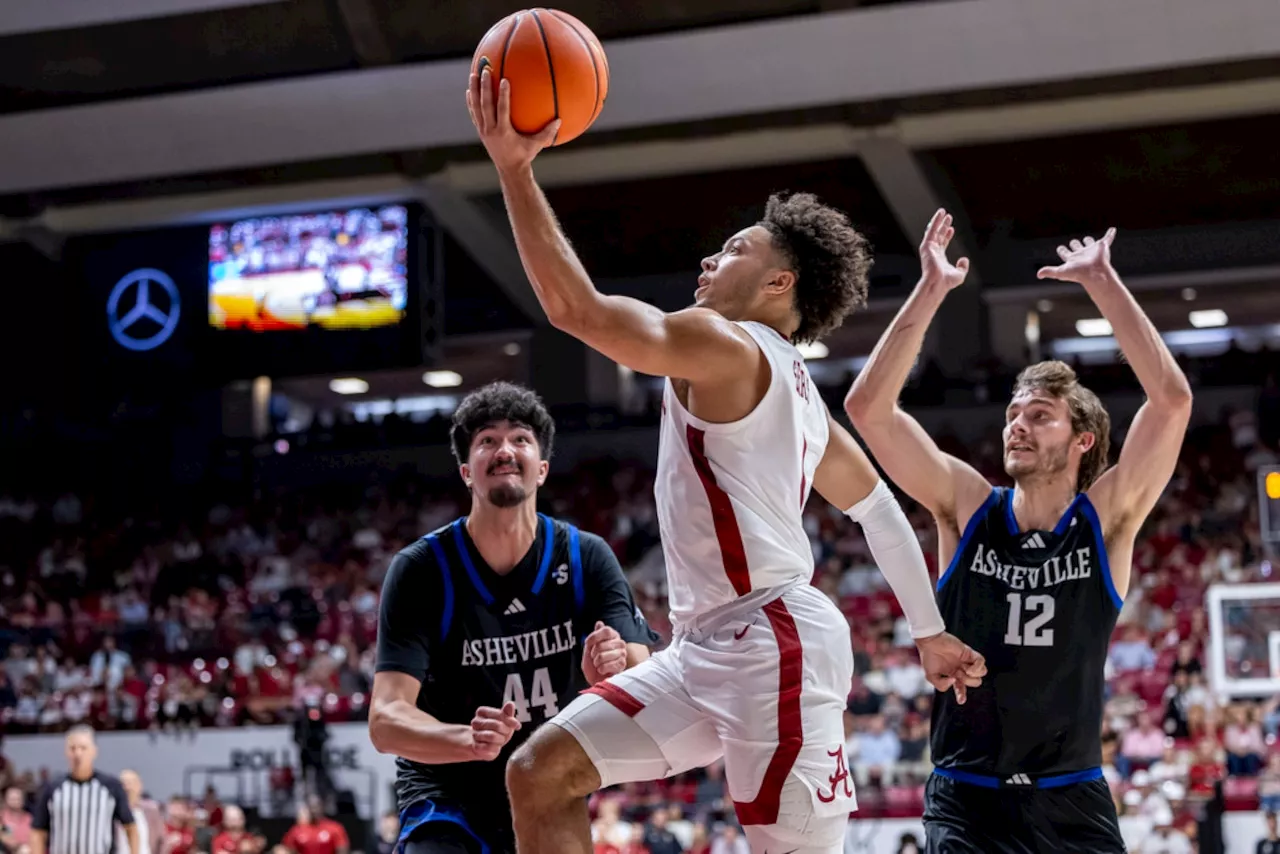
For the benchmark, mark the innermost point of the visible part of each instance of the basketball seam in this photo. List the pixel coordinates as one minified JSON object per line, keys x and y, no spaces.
{"x":551,"y":69}
{"x":506,"y":46}
{"x":591,"y":54}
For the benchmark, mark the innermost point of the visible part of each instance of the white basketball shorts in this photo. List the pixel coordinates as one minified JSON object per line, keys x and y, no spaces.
{"x":766,"y":690}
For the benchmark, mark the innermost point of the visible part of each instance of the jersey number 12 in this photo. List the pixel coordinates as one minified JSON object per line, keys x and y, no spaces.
{"x":542,"y":695}
{"x":1039,"y":611}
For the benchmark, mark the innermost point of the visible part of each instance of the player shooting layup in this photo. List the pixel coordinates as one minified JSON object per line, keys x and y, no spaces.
{"x":761,"y":665}
{"x":1036,"y":575}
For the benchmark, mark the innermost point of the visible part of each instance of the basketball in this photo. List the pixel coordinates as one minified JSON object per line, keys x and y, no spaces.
{"x":556,"y":66}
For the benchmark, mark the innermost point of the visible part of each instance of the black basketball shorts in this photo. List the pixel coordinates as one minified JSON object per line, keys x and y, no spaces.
{"x":964,"y":818}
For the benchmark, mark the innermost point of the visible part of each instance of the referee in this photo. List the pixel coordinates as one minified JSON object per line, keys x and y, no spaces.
{"x":77,"y":814}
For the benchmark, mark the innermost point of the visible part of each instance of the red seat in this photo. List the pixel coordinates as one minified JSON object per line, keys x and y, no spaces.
{"x":900,"y":802}
{"x":1152,"y":685}
{"x":1240,"y":793}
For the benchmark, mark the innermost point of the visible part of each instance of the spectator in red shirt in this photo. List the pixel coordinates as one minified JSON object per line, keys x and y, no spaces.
{"x":212,"y":807}
{"x":315,"y":834}
{"x":636,"y":845}
{"x":1207,"y":768}
{"x":228,"y":841}
{"x":1163,"y":592}
{"x":179,"y":834}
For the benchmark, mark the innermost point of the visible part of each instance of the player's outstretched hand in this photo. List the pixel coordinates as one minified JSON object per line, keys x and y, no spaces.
{"x":1084,"y":262}
{"x":491,"y":729}
{"x":604,"y":654}
{"x":507,"y":147}
{"x":934,"y":265}
{"x":951,"y":664}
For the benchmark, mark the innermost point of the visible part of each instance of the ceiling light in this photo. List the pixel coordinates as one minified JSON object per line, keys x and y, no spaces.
{"x":1044,"y":305}
{"x":1093,"y":327}
{"x":512,"y":349}
{"x":1188,"y":294}
{"x":1208,"y":317}
{"x":442,"y":379}
{"x":814,"y":350}
{"x":348,"y":385}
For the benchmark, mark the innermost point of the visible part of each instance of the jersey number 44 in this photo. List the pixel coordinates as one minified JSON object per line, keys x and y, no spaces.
{"x":540,"y":695}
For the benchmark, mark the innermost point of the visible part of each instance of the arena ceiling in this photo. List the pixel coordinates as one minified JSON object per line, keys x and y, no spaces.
{"x":1032,"y":120}
{"x":57,"y":53}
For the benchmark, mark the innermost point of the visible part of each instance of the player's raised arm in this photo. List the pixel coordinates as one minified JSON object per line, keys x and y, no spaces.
{"x":1125,"y":495}
{"x":695,"y":344}
{"x":948,"y":487}
{"x":846,"y":478}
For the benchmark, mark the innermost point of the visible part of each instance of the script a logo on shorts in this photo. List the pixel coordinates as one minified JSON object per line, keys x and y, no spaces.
{"x":841,"y":776}
{"x":143,"y":310}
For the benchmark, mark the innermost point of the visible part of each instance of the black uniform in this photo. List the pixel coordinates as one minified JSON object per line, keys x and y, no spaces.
{"x":1018,"y":766}
{"x":476,"y":638}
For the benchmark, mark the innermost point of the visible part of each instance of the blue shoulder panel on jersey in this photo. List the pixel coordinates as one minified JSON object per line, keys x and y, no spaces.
{"x":426,"y":812}
{"x":1091,"y":513}
{"x":548,"y":549}
{"x":974,"y":521}
{"x":575,"y":562}
{"x":1008,"y":511}
{"x":468,"y":565}
{"x":446,"y":611}
{"x":1065,"y":521}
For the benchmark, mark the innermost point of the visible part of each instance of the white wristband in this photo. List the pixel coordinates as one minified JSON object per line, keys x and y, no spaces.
{"x":897,"y":552}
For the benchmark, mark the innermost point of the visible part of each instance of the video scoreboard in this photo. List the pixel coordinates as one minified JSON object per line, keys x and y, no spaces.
{"x":349,"y":289}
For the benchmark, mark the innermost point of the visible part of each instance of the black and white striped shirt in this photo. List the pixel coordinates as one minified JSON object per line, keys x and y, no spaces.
{"x":80,"y":816}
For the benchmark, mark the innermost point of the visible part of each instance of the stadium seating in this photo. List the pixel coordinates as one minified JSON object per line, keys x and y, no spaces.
{"x":228,"y":612}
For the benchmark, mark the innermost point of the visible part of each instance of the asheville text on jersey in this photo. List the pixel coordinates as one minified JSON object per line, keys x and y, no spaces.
{"x":1069,"y":567}
{"x":512,"y":649}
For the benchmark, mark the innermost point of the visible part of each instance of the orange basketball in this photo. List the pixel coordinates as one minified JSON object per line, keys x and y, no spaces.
{"x":556,"y":66}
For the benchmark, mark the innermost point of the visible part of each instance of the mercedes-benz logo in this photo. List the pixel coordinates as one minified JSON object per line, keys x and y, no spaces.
{"x":145,"y":325}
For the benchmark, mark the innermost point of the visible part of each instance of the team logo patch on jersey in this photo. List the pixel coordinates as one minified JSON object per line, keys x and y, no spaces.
{"x":562,"y":574}
{"x":516,"y":607}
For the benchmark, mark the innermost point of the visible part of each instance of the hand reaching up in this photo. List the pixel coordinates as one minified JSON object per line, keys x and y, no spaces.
{"x":1083,"y":262}
{"x":934,"y":264}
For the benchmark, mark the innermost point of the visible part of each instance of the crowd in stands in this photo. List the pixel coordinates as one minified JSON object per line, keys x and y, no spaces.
{"x":202,"y":611}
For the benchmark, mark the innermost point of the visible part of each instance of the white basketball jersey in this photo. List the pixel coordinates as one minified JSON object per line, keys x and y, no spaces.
{"x":730,"y":496}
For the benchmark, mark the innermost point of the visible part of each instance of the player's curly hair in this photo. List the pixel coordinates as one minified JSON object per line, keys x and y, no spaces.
{"x":500,"y":401}
{"x":830,"y":258}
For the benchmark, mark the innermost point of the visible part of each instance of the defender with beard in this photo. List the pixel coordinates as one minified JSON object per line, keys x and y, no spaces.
{"x":489,"y":627}
{"x":1035,"y":575}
